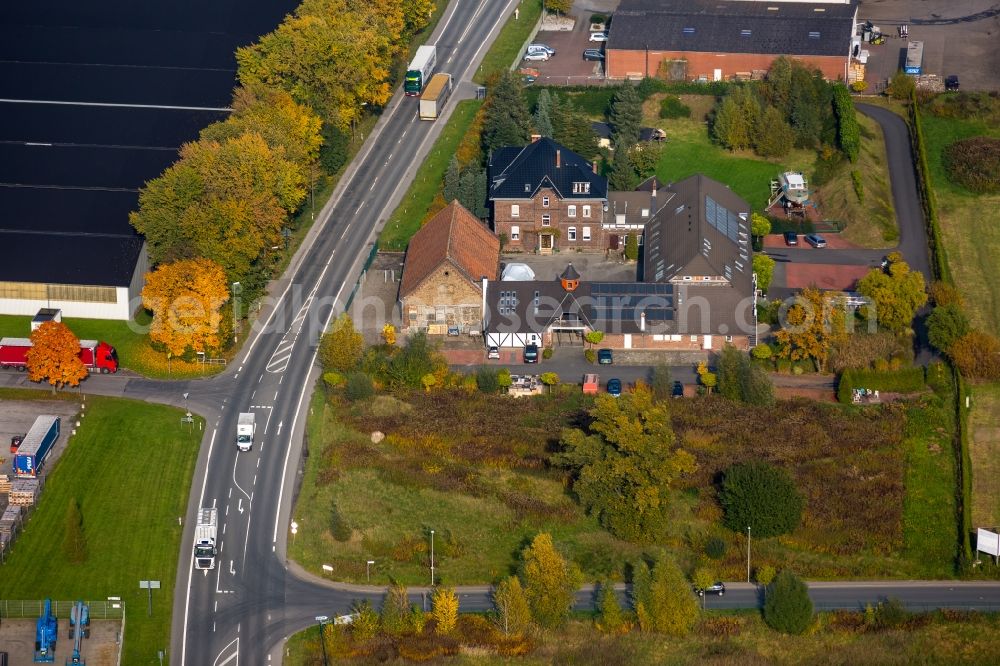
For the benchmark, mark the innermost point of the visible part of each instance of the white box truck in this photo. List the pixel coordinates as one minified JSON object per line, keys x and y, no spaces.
{"x":205,"y":533}
{"x":244,"y":431}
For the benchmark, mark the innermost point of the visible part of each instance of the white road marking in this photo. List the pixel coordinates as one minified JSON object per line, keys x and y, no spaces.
{"x":187,"y":595}
{"x":235,"y":655}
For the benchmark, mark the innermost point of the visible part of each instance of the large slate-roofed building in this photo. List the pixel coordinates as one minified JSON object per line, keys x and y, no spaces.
{"x":718,"y":40}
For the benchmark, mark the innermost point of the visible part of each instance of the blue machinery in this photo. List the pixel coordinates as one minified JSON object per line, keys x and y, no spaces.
{"x":46,"y":631}
{"x":79,"y":628}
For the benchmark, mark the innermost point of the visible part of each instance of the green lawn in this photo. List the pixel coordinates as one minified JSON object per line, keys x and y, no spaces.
{"x":410,"y":213}
{"x":129,"y":467}
{"x":127,"y":337}
{"x":984,"y":445}
{"x":930,"y":514}
{"x":971,"y":236}
{"x":506,"y":49}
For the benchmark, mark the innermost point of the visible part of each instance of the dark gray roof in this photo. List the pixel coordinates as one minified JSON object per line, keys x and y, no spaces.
{"x":618,"y":307}
{"x":733,"y":26}
{"x":704,"y":231}
{"x":632,"y":205}
{"x":68,"y":258}
{"x":518,"y":173}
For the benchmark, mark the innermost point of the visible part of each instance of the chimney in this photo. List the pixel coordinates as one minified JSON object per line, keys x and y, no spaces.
{"x":535,"y":137}
{"x":558,"y":158}
{"x":485,"y":310}
{"x":642,"y":322}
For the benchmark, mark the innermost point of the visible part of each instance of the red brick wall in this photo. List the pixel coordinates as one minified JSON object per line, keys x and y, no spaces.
{"x":529,"y":222}
{"x":623,"y":64}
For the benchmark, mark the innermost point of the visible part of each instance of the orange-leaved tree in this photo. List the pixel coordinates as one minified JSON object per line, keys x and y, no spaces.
{"x":185,"y":298}
{"x":55,"y":356}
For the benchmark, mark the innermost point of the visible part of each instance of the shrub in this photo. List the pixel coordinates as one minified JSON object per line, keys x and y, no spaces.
{"x":859,"y":86}
{"x":632,"y":247}
{"x":977,"y":355}
{"x":761,"y":352}
{"x":547,"y":353}
{"x":715,"y":548}
{"x":859,"y":186}
{"x":762,"y":497}
{"x":787,"y":607}
{"x":339,"y":528}
{"x":590,"y":355}
{"x":901,"y":86}
{"x":673,"y":107}
{"x":487,"y":380}
{"x":946,"y":324}
{"x":650,"y":86}
{"x":890,"y":614}
{"x":358,"y":387}
{"x":333,"y":379}
{"x":848,"y":131}
{"x":974,"y":164}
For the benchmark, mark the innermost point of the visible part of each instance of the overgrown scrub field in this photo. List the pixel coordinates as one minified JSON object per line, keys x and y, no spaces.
{"x":134,"y":351}
{"x":475,"y":469}
{"x":129,"y":467}
{"x":736,"y":638}
{"x":972,"y":243}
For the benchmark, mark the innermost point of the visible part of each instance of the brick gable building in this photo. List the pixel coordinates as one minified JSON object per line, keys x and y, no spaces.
{"x":446,"y":263}
{"x":544,"y":197}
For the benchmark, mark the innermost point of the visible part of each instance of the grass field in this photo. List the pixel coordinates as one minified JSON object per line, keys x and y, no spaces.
{"x":129,"y":467}
{"x":412,"y":210}
{"x":930,"y":533}
{"x":984,"y":445}
{"x":506,"y":49}
{"x":732,"y":638}
{"x":972,"y":245}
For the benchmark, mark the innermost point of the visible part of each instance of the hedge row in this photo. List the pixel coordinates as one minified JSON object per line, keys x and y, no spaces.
{"x":934,"y":236}
{"x":962,"y":393}
{"x":906,"y":380}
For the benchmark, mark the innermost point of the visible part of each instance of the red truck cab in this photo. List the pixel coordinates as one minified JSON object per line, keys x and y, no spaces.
{"x":99,"y":356}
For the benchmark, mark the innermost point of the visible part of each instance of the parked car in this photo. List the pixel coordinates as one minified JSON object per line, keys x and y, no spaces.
{"x":815,"y":240}
{"x":614,"y":387}
{"x":531,"y":353}
{"x":536,"y":55}
{"x":604,"y":357}
{"x":791,"y":238}
{"x":598,"y":36}
{"x":717,"y":588}
{"x":541,"y":47}
{"x":593,"y":54}
{"x":678,"y":390}
{"x":493,"y":352}
{"x":951,"y":82}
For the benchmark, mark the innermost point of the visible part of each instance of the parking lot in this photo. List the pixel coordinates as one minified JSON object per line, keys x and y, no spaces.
{"x":17,"y":639}
{"x":567,"y":66}
{"x":959,"y":38}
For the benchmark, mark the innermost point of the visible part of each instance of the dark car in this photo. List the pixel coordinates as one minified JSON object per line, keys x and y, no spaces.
{"x":791,"y":238}
{"x":593,"y":54}
{"x":678,"y":390}
{"x":717,"y":588}
{"x":604,"y":357}
{"x":614,"y":387}
{"x":531,"y":353}
{"x":815,"y":240}
{"x":951,"y":82}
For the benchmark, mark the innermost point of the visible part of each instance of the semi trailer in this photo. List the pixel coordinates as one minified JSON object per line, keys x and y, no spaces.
{"x":96,"y":355}
{"x":35,"y":446}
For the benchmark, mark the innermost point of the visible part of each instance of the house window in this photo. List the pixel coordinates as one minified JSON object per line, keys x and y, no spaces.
{"x":581,"y":188}
{"x":645,"y":212}
{"x":586,"y":233}
{"x":729,"y":338}
{"x":545,"y":202}
{"x":515,"y":232}
{"x":687,"y":278}
{"x":694,"y":338}
{"x":571,"y":233}
{"x":571,"y":211}
{"x":546,"y":220}
{"x":515,"y":210}
{"x":586,"y":211}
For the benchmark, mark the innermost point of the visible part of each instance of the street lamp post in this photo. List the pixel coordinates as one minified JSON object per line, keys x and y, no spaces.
{"x":368,"y":570}
{"x":432,"y":558}
{"x":748,"y":553}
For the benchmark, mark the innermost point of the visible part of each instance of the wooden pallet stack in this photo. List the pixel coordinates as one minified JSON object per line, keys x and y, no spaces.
{"x":4,"y":484}
{"x":10,"y":520}
{"x":23,"y":492}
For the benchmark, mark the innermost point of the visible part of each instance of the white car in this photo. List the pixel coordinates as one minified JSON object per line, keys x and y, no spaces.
{"x":598,"y":36}
{"x":536,"y":55}
{"x":541,"y":47}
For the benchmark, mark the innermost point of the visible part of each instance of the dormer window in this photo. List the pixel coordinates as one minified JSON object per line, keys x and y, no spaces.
{"x":527,"y":187}
{"x":581,"y":188}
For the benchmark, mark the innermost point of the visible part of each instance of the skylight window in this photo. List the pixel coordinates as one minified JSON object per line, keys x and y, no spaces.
{"x":688,"y":31}
{"x":813,"y":35}
{"x":744,"y":33}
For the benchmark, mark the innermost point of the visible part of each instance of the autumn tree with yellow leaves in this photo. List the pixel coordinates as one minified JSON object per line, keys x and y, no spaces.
{"x":811,"y":325}
{"x":186,"y":298}
{"x":55,"y":356}
{"x":444,"y":603}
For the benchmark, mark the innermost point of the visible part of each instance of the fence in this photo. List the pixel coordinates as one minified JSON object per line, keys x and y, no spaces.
{"x":30,"y":608}
{"x":364,"y":271}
